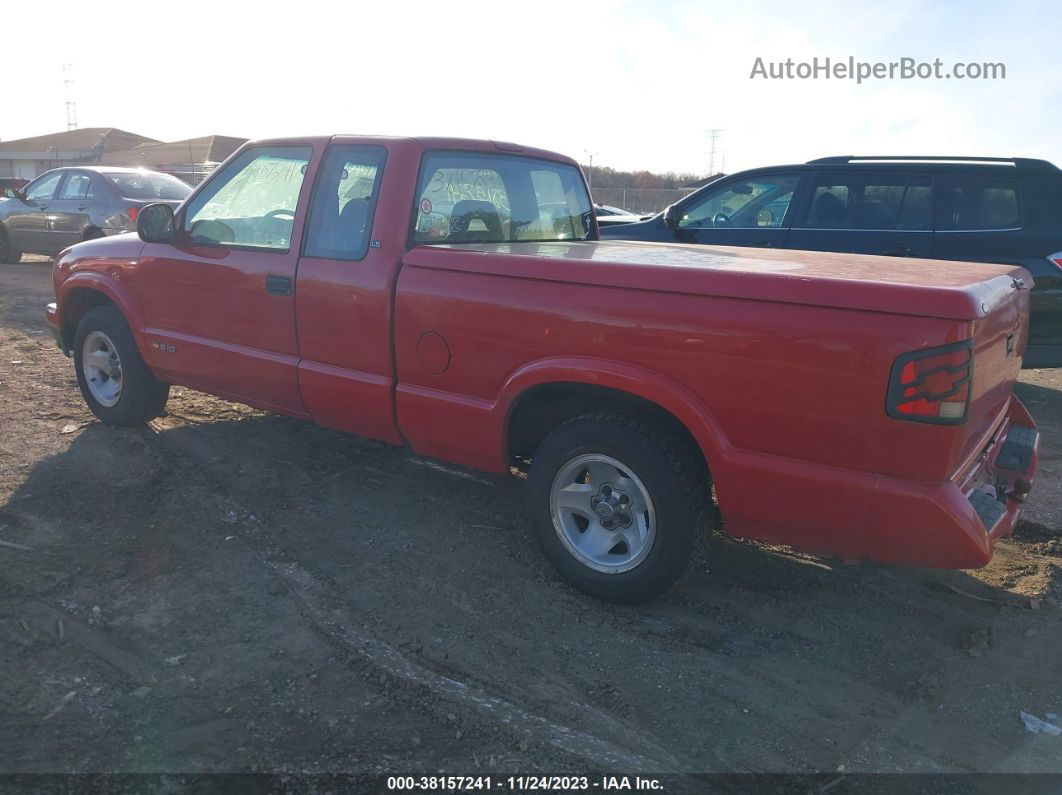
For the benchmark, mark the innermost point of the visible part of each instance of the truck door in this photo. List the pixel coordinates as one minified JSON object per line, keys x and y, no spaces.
{"x":343,"y":300}
{"x":865,"y":212}
{"x":219,"y":302}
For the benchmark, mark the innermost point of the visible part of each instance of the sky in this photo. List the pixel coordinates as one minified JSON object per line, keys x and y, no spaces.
{"x":636,"y":84}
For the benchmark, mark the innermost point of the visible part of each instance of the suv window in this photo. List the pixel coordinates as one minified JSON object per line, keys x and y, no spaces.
{"x":760,"y":201}
{"x":343,"y":202}
{"x":977,"y":203}
{"x":44,"y":188}
{"x":481,"y":198}
{"x":253,"y":201}
{"x":856,"y":200}
{"x":77,"y":186}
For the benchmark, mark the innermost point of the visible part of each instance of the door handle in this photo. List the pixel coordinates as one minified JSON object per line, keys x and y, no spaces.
{"x":82,"y":206}
{"x":278,"y":285}
{"x":898,"y":251}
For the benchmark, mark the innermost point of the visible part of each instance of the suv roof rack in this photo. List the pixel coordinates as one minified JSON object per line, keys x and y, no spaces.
{"x":1018,"y":162}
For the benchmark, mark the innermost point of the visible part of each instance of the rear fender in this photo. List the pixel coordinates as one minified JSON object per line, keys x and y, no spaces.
{"x":654,"y":387}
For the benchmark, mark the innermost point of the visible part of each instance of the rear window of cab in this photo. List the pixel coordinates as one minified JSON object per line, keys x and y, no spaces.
{"x":484,"y":198}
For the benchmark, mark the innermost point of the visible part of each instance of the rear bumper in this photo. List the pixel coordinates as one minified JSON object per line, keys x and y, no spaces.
{"x":861,"y":516}
{"x":1008,"y":461}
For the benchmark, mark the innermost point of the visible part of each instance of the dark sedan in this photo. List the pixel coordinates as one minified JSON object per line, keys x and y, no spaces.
{"x":67,"y":205}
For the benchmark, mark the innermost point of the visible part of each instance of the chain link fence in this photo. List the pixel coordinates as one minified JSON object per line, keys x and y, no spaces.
{"x":640,"y":201}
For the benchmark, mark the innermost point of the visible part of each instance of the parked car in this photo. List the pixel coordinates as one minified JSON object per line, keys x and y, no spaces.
{"x":11,"y":185}
{"x":853,"y":405}
{"x":607,"y":215}
{"x":1007,"y":211}
{"x":67,"y":205}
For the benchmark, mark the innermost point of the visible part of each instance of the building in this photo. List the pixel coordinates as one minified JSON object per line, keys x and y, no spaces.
{"x":27,"y":157}
{"x":191,"y":160}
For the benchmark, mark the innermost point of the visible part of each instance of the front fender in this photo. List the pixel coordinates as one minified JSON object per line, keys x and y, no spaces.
{"x":74,"y":297}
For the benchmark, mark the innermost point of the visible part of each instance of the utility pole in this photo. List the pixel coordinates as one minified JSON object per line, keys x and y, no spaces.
{"x":71,"y":101}
{"x":713,"y":136}
{"x":590,"y":173}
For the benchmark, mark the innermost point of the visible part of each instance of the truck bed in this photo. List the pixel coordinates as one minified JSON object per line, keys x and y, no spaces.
{"x":906,"y":286}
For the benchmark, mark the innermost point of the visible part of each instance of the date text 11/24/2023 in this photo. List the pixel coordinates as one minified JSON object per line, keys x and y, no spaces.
{"x":523,"y":783}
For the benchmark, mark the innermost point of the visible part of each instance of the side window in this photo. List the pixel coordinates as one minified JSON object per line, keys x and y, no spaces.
{"x":971,"y":203}
{"x":760,"y":201}
{"x":866,"y":201}
{"x":44,"y":188}
{"x":253,"y":201}
{"x":77,"y":186}
{"x":343,"y":202}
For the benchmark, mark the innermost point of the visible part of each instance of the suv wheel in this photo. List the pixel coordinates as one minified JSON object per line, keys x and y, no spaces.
{"x":618,"y":505}
{"x":115,"y":382}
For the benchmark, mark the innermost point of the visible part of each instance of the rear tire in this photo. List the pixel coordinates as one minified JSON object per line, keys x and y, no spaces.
{"x":8,"y":253}
{"x":618,"y":504}
{"x":115,"y":382}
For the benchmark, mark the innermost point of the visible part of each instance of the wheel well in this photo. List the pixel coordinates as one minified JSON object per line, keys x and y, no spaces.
{"x":542,"y":408}
{"x":80,"y":301}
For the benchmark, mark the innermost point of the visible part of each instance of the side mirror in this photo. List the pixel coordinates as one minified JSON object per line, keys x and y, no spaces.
{"x":155,"y":223}
{"x":672,"y":216}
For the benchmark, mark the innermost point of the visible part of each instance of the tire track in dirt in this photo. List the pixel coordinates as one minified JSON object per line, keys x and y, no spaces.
{"x":627,"y":750}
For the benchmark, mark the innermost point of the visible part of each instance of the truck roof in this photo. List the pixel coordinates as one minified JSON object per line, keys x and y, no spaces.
{"x":422,"y":143}
{"x":897,"y":285}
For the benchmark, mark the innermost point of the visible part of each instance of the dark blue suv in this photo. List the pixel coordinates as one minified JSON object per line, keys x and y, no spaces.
{"x":975,"y":209}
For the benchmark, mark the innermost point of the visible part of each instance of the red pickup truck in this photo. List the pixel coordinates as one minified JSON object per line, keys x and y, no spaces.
{"x":451,"y":295}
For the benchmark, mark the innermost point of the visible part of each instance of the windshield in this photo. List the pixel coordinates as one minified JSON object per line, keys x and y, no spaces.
{"x":141,"y":185}
{"x":486,"y":198}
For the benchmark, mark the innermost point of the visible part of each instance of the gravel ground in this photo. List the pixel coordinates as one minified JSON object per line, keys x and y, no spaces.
{"x":231,"y":591}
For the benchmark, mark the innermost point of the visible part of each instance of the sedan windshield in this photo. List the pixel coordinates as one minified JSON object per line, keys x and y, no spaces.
{"x":149,"y":186}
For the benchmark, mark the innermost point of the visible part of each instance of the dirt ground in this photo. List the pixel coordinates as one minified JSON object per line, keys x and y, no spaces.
{"x":233,"y":591}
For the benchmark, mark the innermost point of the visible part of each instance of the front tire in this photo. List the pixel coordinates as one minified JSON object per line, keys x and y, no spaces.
{"x":115,"y":382}
{"x":9,"y":254}
{"x":618,"y":504}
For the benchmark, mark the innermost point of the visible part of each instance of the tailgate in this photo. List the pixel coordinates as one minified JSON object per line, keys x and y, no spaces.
{"x":999,"y":344}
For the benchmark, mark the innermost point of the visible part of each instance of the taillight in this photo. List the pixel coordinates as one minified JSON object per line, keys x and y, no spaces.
{"x":133,"y":212}
{"x":932,"y":385}
{"x":1056,"y":260}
